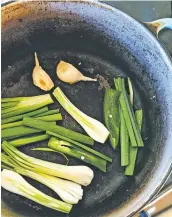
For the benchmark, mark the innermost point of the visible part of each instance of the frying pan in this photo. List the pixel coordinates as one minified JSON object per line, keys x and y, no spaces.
{"x":104,"y":42}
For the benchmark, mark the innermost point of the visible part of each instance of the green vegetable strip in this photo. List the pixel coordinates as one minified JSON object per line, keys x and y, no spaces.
{"x":130,"y":91}
{"x":51,"y":150}
{"x":6,"y":160}
{"x":3,"y":166}
{"x":118,"y":83}
{"x":124,"y":142}
{"x":93,"y":127}
{"x":48,"y":118}
{"x":27,"y":106}
{"x":50,"y":112}
{"x":44,"y":149}
{"x":34,"y":194}
{"x":74,"y":151}
{"x":15,"y":132}
{"x":28,"y":140}
{"x":8,"y":104}
{"x":40,"y":177}
{"x":40,"y":166}
{"x":17,"y":156}
{"x":81,"y":146}
{"x":55,"y":117}
{"x":112,"y":115}
{"x":13,"y":124}
{"x":129,"y":170}
{"x":15,"y":99}
{"x":20,"y":117}
{"x":42,"y":125}
{"x":132,"y":118}
{"x":18,"y":131}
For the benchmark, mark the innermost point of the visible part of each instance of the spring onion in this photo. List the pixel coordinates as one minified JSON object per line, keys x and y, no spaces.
{"x":129,"y":170}
{"x":80,"y":174}
{"x":27,"y":105}
{"x":29,"y":114}
{"x":15,"y":99}
{"x":15,"y":132}
{"x":125,"y":113}
{"x":80,"y":146}
{"x":131,"y":92}
{"x":130,"y":120}
{"x":68,"y":191}
{"x":124,"y":142}
{"x":50,"y":112}
{"x":15,"y":183}
{"x":94,"y":128}
{"x":74,"y":151}
{"x":51,"y":150}
{"x":28,"y":140}
{"x":8,"y":104}
{"x":124,"y":137}
{"x":56,"y":117}
{"x":42,"y":125}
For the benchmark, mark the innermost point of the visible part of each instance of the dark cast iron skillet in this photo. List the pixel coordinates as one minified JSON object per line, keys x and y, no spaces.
{"x":107,"y":43}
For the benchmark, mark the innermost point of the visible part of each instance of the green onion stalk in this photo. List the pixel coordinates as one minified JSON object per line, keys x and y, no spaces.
{"x":130,"y":120}
{"x":15,"y":183}
{"x":55,"y":117}
{"x":129,"y":170}
{"x":95,"y":129}
{"x":43,"y":126}
{"x":68,"y":191}
{"x":28,"y":114}
{"x":80,"y":174}
{"x":79,"y":153}
{"x":26,"y":105}
{"x":83,"y":147}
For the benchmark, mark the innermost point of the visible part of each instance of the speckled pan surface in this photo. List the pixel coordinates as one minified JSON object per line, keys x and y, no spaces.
{"x":107,"y":43}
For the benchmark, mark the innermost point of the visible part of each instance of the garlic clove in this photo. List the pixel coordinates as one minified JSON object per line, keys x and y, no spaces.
{"x":40,"y":78}
{"x":66,"y":72}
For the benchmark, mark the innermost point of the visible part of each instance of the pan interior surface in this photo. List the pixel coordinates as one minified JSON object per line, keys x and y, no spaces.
{"x":93,"y":38}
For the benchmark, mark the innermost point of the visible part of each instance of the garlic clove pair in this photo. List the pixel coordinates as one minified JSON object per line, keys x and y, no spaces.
{"x":69,"y":74}
{"x":40,"y":78}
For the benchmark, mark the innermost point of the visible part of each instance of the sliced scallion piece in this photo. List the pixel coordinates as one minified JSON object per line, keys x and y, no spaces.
{"x":8,"y":104}
{"x":80,"y":145}
{"x":29,"y":114}
{"x":27,"y":105}
{"x":79,"y":153}
{"x":68,"y":191}
{"x":28,"y":140}
{"x":15,"y":183}
{"x":129,"y":170}
{"x":50,"y":112}
{"x":94,"y":128}
{"x":51,"y":150}
{"x":48,"y":118}
{"x":80,"y":174}
{"x":42,"y":125}
{"x":124,"y":141}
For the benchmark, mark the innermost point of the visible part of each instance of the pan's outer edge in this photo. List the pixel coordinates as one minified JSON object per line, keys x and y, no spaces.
{"x":137,"y":203}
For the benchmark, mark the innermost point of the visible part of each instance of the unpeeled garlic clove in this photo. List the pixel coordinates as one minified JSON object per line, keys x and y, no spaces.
{"x":40,"y":78}
{"x":69,"y":74}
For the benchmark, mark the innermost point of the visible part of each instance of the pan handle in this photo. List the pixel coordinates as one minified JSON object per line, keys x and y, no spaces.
{"x":157,"y":25}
